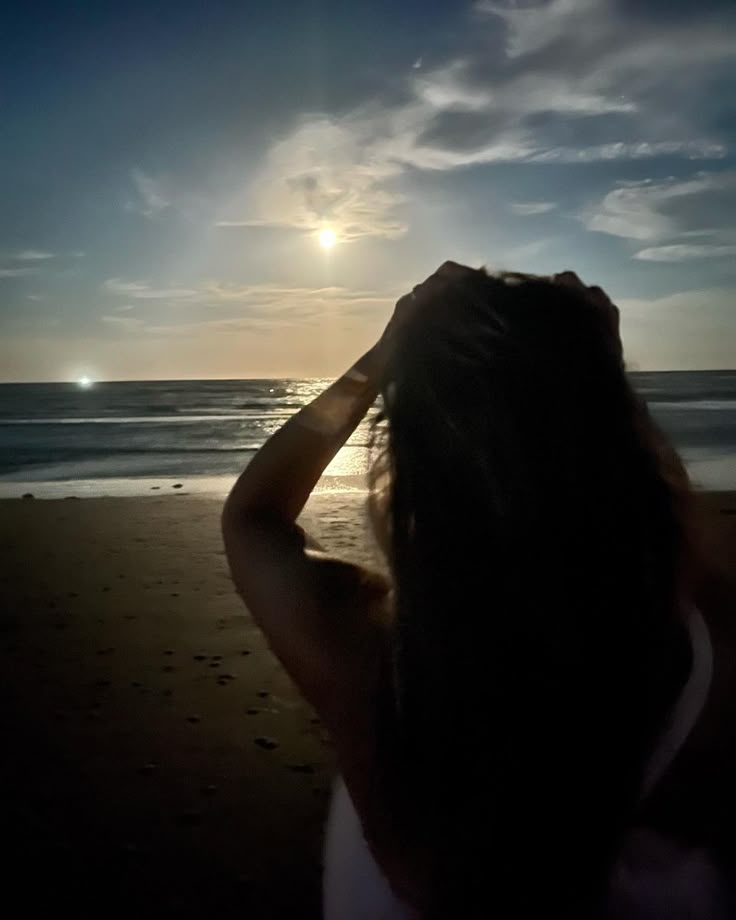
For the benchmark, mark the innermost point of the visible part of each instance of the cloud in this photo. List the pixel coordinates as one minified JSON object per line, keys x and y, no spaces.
{"x":272,"y":301}
{"x":142,"y":290}
{"x":567,"y":81}
{"x":327,"y":172}
{"x":564,"y":81}
{"x":124,"y":323}
{"x":261,"y":224}
{"x":32,"y":255}
{"x":674,"y":210}
{"x":682,"y":252}
{"x":17,"y":272}
{"x":252,"y":306}
{"x":531,"y":208}
{"x":24,"y":255}
{"x":149,"y":198}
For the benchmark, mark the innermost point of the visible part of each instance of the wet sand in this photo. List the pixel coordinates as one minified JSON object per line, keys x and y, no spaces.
{"x":156,"y":758}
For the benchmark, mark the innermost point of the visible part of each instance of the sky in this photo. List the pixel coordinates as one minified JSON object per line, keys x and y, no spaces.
{"x":168,"y":171}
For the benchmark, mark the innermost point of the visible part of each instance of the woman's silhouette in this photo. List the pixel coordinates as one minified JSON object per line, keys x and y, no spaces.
{"x":525,"y":711}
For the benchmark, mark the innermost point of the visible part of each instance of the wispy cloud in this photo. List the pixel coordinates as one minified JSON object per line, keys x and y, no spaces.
{"x":562,"y":81}
{"x":326,"y":172}
{"x":17,"y":272}
{"x":148,"y":198}
{"x":531,"y":208}
{"x":272,"y":300}
{"x":124,"y":323}
{"x":32,"y":255}
{"x":660,"y":209}
{"x":683,"y":252}
{"x":142,"y":290}
{"x":270,"y":305}
{"x":672,"y":212}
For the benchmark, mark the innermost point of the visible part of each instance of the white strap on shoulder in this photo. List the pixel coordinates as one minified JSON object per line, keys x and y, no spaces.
{"x":688,"y":707}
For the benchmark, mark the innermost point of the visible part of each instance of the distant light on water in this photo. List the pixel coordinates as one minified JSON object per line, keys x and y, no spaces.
{"x":84,"y":382}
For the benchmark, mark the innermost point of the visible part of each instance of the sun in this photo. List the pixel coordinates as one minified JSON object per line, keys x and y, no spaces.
{"x":327,"y":238}
{"x":84,"y":382}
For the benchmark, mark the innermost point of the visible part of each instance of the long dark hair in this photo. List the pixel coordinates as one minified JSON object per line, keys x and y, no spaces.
{"x":534,"y":530}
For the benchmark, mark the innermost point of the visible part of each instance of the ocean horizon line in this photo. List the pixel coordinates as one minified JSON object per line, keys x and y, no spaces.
{"x":95,"y":382}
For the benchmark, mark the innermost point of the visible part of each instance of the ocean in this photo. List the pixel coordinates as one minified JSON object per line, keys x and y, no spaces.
{"x":135,"y":438}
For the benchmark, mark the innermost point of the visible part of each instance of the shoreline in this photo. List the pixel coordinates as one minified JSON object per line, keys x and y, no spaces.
{"x":214,"y":487}
{"x":206,"y":487}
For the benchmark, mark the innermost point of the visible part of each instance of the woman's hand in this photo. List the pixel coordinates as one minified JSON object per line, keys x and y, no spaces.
{"x":407,"y":306}
{"x":598,"y":299}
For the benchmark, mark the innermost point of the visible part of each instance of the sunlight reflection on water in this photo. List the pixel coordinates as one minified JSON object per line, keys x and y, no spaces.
{"x":349,"y":461}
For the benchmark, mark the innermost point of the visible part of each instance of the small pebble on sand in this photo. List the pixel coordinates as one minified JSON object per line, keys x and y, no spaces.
{"x":300,"y":767}
{"x":193,"y":719}
{"x":177,"y":485}
{"x":268,"y":744}
{"x":253,"y":711}
{"x":28,"y":495}
{"x":262,"y":693}
{"x":200,"y":657}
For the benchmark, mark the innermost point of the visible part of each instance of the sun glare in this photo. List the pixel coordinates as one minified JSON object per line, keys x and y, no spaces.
{"x":84,"y":382}
{"x":327,"y":238}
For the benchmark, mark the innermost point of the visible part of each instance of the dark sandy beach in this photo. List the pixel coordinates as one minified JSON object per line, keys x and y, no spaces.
{"x":156,"y":759}
{"x":155,"y":755}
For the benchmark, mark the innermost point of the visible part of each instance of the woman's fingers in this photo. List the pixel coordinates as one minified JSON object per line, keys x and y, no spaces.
{"x":408,"y":304}
{"x":596,"y":295}
{"x":570,"y":279}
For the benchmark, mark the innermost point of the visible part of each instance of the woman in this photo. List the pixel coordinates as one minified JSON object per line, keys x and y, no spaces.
{"x":523,"y":712}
